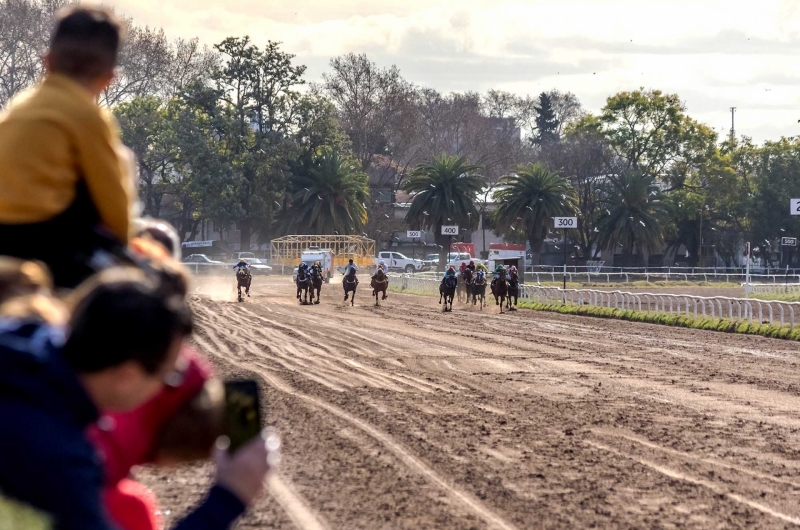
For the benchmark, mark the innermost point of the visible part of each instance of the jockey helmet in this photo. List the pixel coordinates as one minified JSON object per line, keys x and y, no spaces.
{"x":471,"y":262}
{"x":512,"y":269}
{"x":350,"y":260}
{"x":480,"y":273}
{"x":303,"y":264}
{"x":381,"y":263}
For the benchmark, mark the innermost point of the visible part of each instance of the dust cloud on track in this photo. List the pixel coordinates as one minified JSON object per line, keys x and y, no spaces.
{"x":405,"y":417}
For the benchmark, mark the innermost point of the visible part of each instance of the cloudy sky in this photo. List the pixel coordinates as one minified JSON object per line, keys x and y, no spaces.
{"x":715,"y":54}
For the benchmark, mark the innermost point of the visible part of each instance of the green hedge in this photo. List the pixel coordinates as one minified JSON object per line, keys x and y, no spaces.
{"x":713,"y":324}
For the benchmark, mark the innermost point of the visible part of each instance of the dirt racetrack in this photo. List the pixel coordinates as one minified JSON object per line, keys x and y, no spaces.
{"x":404,"y":417}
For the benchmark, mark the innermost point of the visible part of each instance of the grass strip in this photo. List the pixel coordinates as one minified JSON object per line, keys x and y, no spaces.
{"x":723,"y":325}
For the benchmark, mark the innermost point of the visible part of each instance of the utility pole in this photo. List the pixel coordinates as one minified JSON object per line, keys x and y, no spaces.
{"x":733,"y":129}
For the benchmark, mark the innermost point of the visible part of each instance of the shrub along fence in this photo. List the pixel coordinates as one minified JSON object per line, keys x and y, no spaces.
{"x":734,"y":310}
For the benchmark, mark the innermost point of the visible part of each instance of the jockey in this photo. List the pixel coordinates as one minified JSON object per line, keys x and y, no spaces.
{"x":512,"y":270}
{"x":350,"y":266}
{"x":381,"y":267}
{"x":451,"y":273}
{"x":479,"y":275}
{"x":500,"y":268}
{"x":480,"y":267}
{"x":242,"y":264}
{"x":462,"y":268}
{"x":471,"y":266}
{"x":302,"y":269}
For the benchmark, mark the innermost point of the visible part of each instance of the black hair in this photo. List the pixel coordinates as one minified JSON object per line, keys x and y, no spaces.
{"x":85,"y":42}
{"x":123,"y":316}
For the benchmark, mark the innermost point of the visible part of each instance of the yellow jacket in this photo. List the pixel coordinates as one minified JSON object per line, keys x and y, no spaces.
{"x":481,"y":267}
{"x":51,"y":137}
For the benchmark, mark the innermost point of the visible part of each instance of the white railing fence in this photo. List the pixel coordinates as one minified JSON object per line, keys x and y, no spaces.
{"x":781,"y":289}
{"x":690,"y":306}
{"x":627,"y":277}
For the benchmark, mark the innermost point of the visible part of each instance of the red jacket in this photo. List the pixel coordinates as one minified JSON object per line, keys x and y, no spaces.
{"x":131,"y":438}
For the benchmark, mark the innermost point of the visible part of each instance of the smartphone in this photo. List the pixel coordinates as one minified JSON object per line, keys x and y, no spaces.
{"x":242,"y":412}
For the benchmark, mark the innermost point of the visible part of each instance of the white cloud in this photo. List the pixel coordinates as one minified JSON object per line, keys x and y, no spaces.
{"x":714,"y":53}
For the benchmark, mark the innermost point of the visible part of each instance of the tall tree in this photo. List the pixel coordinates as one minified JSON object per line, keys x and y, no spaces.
{"x":585,"y":159}
{"x":328,"y":196}
{"x":24,"y":32}
{"x":527,"y":200}
{"x":369,"y":100}
{"x":444,"y":190}
{"x":144,"y":61}
{"x":259,"y":97}
{"x":633,"y":215}
{"x":652,"y":132}
{"x":547,"y":124}
{"x":146,"y":130}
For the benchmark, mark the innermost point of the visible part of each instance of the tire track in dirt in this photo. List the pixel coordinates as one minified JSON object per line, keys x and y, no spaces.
{"x":340,"y":371}
{"x":677,"y":475}
{"x":293,"y":504}
{"x":414,"y":464}
{"x":514,"y":426}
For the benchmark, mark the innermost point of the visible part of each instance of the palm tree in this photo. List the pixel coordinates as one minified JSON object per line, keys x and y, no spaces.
{"x":527,"y":200}
{"x":633,"y":208}
{"x":444,"y":191}
{"x":328,"y":196}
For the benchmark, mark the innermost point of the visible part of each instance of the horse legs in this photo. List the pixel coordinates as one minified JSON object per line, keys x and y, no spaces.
{"x":502,"y":303}
{"x":353,"y":299}
{"x":247,"y":290}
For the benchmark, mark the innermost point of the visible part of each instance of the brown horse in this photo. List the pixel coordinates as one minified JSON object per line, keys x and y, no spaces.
{"x":316,"y":282}
{"x":380,"y":282}
{"x":350,"y":283}
{"x":500,"y":290}
{"x":303,"y":281}
{"x":513,"y":291}
{"x":447,"y":290}
{"x":479,"y":290}
{"x":465,"y":285}
{"x":243,"y":279}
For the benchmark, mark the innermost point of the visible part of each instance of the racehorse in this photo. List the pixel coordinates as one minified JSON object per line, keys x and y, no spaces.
{"x":447,"y":290}
{"x":465,"y":285}
{"x":513,"y":291}
{"x":350,"y":283}
{"x":500,"y":290}
{"x":303,"y":282}
{"x":316,"y":282}
{"x":243,"y":279}
{"x":479,"y":290}
{"x":379,"y":285}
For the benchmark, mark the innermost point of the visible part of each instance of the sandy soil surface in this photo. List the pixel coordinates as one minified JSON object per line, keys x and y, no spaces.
{"x":405,"y":417}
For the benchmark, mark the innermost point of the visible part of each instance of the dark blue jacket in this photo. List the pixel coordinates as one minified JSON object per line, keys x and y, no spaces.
{"x":45,"y":459}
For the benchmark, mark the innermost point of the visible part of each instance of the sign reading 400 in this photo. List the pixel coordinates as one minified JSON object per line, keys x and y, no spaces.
{"x":565,"y":222}
{"x":451,"y":230}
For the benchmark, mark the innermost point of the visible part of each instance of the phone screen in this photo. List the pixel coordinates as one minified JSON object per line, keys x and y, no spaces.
{"x":242,"y":412}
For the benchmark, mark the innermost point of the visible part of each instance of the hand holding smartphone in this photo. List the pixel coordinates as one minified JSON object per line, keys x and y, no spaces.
{"x":242,"y":413}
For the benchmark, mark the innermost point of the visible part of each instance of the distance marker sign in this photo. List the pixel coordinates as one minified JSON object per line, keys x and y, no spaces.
{"x":794,"y":206}
{"x":565,"y":222}
{"x":414,"y":234}
{"x":450,"y":230}
{"x":789,"y":241}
